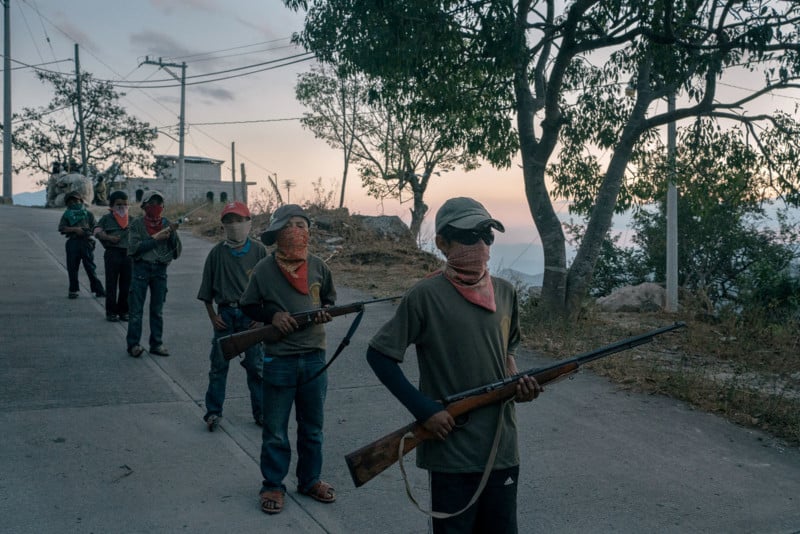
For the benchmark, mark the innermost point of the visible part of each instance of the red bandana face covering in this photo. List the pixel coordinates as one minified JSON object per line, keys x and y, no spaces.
{"x":152,"y":218}
{"x":467,"y":270}
{"x":291,"y":257}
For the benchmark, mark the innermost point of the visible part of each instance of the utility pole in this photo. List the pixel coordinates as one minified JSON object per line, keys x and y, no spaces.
{"x":233,"y":169}
{"x":80,"y":111}
{"x":181,"y":120}
{"x":244,"y":186}
{"x":672,"y":214}
{"x":8,"y":188}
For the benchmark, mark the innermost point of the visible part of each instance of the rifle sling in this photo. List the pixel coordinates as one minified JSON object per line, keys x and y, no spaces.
{"x":344,"y":343}
{"x":485,"y":478}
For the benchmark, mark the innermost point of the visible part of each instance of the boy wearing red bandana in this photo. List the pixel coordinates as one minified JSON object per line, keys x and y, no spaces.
{"x":290,"y":280}
{"x":112,"y":231}
{"x":461,"y":298}
{"x":153,"y":243}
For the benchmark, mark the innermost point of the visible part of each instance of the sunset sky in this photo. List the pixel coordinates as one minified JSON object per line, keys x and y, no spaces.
{"x":114,"y":37}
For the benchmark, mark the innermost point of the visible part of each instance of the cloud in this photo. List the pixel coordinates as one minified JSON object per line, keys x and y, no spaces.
{"x":215,"y":93}
{"x":158,"y":44}
{"x":170,"y":6}
{"x":76,"y":34}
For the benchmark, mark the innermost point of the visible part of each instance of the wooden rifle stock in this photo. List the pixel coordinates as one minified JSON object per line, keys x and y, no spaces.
{"x":371,"y":460}
{"x":235,"y":344}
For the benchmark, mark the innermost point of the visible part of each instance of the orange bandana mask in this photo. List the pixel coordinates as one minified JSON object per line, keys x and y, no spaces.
{"x":291,"y":256}
{"x":467,"y":270}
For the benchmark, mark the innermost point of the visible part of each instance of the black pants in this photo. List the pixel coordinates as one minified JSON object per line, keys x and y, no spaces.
{"x":118,"y":280}
{"x":494,"y":512}
{"x":82,"y":250}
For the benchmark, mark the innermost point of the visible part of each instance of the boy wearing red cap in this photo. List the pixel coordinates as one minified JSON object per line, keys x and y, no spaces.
{"x":225,"y":275}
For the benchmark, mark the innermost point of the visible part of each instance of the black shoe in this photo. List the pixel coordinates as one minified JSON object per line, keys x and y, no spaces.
{"x":112,"y":318}
{"x":123,"y":317}
{"x":73,"y":294}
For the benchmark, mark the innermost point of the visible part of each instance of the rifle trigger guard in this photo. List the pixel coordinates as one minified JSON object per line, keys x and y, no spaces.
{"x":462,"y":420}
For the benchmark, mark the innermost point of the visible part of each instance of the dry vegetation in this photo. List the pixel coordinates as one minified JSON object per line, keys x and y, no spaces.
{"x":749,"y":373}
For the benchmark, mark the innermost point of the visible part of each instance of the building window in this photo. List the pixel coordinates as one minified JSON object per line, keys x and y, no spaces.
{"x":139,"y":195}
{"x":223,"y":197}
{"x":210,"y":197}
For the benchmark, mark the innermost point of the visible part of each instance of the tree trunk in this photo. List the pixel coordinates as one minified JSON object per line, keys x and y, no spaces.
{"x":418,"y":212}
{"x":535,"y":155}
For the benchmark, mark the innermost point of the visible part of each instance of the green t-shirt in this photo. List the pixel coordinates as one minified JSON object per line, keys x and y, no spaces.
{"x":269,"y":286}
{"x":142,"y":247}
{"x":87,"y":223}
{"x":225,"y":275}
{"x":110,"y":226}
{"x":460,"y":346}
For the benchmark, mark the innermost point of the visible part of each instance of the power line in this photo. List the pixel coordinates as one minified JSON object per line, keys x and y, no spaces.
{"x":191,"y":56}
{"x":308,"y":56}
{"x":254,"y":121}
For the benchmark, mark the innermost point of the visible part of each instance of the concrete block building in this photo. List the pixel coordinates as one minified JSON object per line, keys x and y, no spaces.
{"x":202,"y":182}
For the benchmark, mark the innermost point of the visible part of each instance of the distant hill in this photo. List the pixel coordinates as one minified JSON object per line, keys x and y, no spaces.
{"x":518,"y":278}
{"x":36,"y":198}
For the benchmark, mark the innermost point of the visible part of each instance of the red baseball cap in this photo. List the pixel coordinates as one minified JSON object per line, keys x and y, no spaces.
{"x":235,"y":207}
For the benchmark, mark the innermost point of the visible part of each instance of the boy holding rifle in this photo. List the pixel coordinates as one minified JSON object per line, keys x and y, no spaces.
{"x":465,"y":326}
{"x":291,"y":280}
{"x":225,"y":275}
{"x":153,"y":243}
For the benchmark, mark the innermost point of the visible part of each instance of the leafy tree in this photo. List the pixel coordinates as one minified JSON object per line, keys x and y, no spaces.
{"x":544,"y":77}
{"x":395,"y":148}
{"x":51,"y":134}
{"x":725,"y":246}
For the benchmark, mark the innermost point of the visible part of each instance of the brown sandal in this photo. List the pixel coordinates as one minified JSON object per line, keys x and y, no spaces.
{"x":321,"y":491}
{"x":271,"y":501}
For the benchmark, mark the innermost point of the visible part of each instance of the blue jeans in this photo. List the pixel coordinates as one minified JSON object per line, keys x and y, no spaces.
{"x":153,"y":276}
{"x":281,"y":375}
{"x":218,"y":375}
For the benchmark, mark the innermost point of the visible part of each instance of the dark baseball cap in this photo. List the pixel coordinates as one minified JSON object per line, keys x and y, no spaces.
{"x":280,"y":218}
{"x":465,"y":213}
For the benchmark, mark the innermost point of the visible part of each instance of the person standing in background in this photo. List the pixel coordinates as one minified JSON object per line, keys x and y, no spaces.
{"x":112,"y":231}
{"x":153,"y":243}
{"x":77,"y":224}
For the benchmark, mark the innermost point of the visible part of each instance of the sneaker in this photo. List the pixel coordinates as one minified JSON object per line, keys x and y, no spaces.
{"x":135,"y":350}
{"x":73,"y":295}
{"x":160,"y":350}
{"x":123,"y":317}
{"x":212,"y":422}
{"x":112,"y":318}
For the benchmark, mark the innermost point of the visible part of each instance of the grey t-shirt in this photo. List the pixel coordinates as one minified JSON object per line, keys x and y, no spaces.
{"x":225,"y":275}
{"x":110,"y":226}
{"x":460,"y":346}
{"x":268,"y":286}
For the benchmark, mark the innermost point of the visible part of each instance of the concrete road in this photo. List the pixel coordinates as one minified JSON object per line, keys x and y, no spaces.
{"x":96,"y":441}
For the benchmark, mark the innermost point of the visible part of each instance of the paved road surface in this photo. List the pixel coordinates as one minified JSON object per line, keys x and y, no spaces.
{"x":96,"y":441}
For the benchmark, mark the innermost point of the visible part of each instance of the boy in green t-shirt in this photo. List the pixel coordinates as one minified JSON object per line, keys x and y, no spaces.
{"x":77,"y":224}
{"x":291,"y":280}
{"x":227,"y":270}
{"x":462,"y":297}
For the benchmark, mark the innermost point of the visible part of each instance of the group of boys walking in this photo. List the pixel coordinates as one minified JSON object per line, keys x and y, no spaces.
{"x":243,"y":285}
